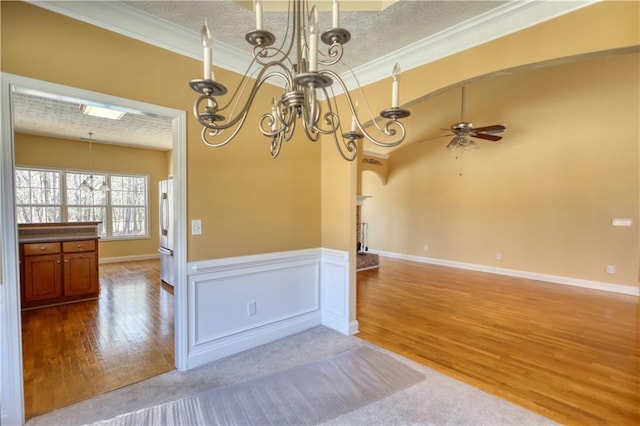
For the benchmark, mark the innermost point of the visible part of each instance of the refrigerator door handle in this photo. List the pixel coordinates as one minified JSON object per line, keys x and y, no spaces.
{"x":164,"y":211}
{"x":166,"y":251}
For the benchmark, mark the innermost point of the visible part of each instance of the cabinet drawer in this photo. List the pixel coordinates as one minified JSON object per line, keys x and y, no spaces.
{"x":78,"y":246}
{"x":41,"y":248}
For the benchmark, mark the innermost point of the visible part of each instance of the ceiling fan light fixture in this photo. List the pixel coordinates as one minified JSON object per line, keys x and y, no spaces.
{"x":471,"y":145}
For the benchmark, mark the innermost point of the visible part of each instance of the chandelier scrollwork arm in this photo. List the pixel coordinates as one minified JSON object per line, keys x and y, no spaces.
{"x":295,"y":63}
{"x":392,"y":127}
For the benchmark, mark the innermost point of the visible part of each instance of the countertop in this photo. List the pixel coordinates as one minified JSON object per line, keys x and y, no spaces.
{"x":53,"y":232}
{"x":52,"y":239}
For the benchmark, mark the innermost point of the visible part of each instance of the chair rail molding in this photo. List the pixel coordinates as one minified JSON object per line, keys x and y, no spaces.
{"x":238,"y":303}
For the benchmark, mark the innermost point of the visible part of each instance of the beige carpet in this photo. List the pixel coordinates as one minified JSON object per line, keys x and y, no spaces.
{"x":304,"y":395}
{"x":434,"y":400}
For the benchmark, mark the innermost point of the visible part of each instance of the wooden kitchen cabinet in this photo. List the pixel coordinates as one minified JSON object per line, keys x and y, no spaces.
{"x":80,"y":269}
{"x":42,"y":278}
{"x":54,"y":272}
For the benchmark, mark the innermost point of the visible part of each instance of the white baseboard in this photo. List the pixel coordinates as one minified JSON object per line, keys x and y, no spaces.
{"x":250,"y":338}
{"x":556,"y":279}
{"x":237,"y":303}
{"x":129,"y":258}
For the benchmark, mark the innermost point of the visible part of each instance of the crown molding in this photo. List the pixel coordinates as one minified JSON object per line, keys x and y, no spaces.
{"x":375,"y":154}
{"x":131,"y":22}
{"x":501,"y":21}
{"x":509,"y":18}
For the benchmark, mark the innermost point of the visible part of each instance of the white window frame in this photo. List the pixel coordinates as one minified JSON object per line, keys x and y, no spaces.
{"x":110,"y":207}
{"x":58,"y":206}
{"x":108,"y":227}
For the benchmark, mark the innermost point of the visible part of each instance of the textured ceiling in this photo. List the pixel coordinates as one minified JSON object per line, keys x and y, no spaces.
{"x":374,"y":35}
{"x":40,"y":114}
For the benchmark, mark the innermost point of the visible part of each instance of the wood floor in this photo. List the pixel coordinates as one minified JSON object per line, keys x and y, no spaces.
{"x":568,"y":353}
{"x":76,"y":351}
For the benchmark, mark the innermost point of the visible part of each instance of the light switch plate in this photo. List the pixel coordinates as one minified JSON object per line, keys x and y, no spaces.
{"x":196,"y":227}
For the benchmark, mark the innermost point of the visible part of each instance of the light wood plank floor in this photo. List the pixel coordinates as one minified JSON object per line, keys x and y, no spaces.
{"x":568,"y":353}
{"x":76,"y":351}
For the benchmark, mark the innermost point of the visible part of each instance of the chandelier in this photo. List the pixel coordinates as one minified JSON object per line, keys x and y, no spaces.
{"x":88,"y":185}
{"x":308,"y":98}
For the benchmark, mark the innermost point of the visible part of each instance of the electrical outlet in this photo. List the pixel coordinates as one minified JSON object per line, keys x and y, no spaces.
{"x":251,"y":308}
{"x":196,"y":227}
{"x":610,"y":269}
{"x":426,"y":248}
{"x":498,"y":256}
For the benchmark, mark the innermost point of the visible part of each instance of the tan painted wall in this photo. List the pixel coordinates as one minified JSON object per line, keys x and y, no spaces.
{"x":38,"y":151}
{"x":545,"y":196}
{"x":226,"y":185}
{"x":600,"y":27}
{"x":248,"y":202}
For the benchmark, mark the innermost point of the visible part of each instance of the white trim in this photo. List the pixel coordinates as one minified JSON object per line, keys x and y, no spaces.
{"x":180,"y":300}
{"x":252,"y":261}
{"x":318,"y":277}
{"x":10,"y":348}
{"x":251,"y":338}
{"x":375,"y":154}
{"x":11,"y":386}
{"x":132,"y":22}
{"x":509,"y":18}
{"x":353,"y":328}
{"x":335,"y":291}
{"x":556,"y":279}
{"x":503,"y":20}
{"x":136,"y":258}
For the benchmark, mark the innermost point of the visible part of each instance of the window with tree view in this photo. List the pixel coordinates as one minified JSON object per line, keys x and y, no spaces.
{"x":38,"y":195}
{"x":44,"y":196}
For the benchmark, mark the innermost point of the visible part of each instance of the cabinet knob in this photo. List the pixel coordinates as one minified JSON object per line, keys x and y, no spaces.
{"x":65,"y":261}
{"x":43,"y":248}
{"x":57,"y":261}
{"x":79,"y":245}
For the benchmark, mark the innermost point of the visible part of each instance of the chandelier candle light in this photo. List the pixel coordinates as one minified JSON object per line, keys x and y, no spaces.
{"x":303,"y":71}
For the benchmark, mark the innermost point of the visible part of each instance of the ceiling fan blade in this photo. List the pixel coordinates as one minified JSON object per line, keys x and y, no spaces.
{"x":496,"y":128}
{"x":486,"y":136}
{"x":436,"y":137}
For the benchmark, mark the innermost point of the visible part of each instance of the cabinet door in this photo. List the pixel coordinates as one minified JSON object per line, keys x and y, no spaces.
{"x":80,"y":274}
{"x":42,"y":278}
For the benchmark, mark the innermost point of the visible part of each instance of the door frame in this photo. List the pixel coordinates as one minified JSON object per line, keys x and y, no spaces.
{"x":11,"y":374}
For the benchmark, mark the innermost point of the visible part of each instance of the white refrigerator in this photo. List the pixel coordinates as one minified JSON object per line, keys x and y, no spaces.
{"x":166,"y":231}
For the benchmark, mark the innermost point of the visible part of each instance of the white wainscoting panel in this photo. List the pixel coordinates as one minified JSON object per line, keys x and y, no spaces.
{"x":334,"y":291}
{"x":226,"y":306}
{"x":238,"y":303}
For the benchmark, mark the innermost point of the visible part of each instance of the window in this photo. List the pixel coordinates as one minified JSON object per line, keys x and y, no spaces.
{"x":55,"y":196}
{"x":38,"y":197}
{"x":128,"y":205}
{"x":82,"y":205}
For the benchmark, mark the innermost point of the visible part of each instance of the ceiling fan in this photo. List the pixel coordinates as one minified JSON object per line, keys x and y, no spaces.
{"x":464,"y":130}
